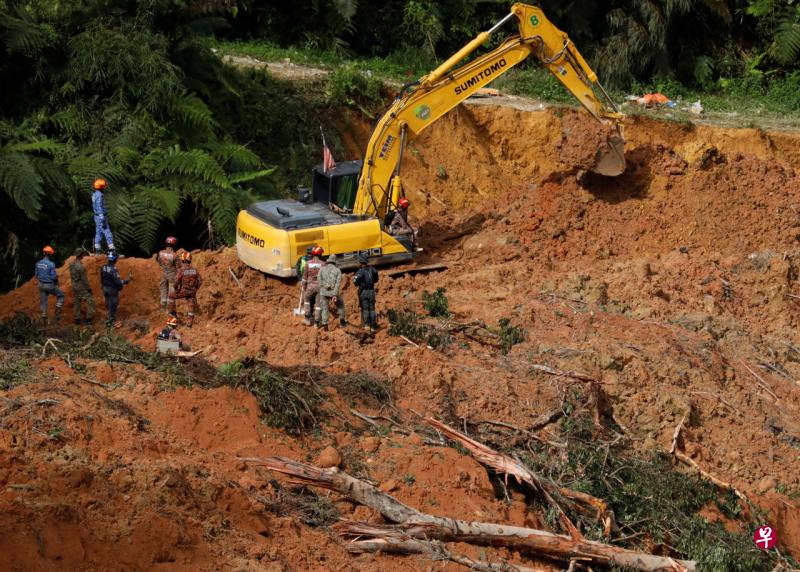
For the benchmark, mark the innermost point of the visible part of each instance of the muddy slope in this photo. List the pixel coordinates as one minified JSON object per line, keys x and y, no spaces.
{"x":672,"y":284}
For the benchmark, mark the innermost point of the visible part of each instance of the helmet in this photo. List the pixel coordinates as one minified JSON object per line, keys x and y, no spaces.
{"x":309,"y":249}
{"x":171,"y":241}
{"x":172,"y":322}
{"x":112,"y":256}
{"x":100,"y":184}
{"x":332,"y":259}
{"x":362,"y":259}
{"x":48,"y":250}
{"x":79,"y":252}
{"x":404,"y":203}
{"x":317,"y":251}
{"x":186,"y":256}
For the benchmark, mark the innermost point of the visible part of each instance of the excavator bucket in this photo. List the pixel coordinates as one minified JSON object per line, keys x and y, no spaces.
{"x":610,"y":160}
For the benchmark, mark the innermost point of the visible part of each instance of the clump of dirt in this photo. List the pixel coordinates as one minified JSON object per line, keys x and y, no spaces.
{"x":674,"y":285}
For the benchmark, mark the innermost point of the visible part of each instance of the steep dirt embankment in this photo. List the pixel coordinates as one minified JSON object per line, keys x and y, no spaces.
{"x":672,"y":284}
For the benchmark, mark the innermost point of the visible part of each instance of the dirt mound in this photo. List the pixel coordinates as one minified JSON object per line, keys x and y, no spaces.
{"x":673,"y":284}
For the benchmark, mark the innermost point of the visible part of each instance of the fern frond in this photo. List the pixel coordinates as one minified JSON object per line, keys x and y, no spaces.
{"x":786,"y":45}
{"x":70,"y":121}
{"x":167,"y":202}
{"x":194,"y":163}
{"x":193,"y":113}
{"x":246,"y":176}
{"x":233,"y":156}
{"x":21,"y":181}
{"x":25,"y":37}
{"x":45,"y":145}
{"x":52,"y":173}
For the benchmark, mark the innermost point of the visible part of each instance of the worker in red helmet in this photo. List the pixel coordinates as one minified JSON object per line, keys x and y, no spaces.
{"x":187,"y":283}
{"x":167,"y":260}
{"x":48,"y":285}
{"x":101,"y":228}
{"x":399,"y":226}
{"x":311,"y":297}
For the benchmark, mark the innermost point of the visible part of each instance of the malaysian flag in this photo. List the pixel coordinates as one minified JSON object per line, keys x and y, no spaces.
{"x":328,"y":162}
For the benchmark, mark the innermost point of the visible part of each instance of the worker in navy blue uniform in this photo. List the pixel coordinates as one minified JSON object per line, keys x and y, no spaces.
{"x":101,"y":228}
{"x":112,"y":283}
{"x":48,"y":285}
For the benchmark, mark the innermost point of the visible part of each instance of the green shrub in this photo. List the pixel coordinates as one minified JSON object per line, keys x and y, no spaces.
{"x":406,"y":323}
{"x":436,"y":303}
{"x":509,"y":335}
{"x":350,"y":86}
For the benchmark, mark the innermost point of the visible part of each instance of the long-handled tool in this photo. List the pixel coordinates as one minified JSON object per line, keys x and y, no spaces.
{"x":299,"y":310}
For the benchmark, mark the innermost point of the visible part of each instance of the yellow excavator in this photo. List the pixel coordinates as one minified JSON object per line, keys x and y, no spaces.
{"x":345,"y":209}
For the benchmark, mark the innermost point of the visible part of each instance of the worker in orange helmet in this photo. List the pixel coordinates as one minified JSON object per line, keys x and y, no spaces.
{"x":101,"y":228}
{"x":187,"y":283}
{"x":399,"y":226}
{"x":48,"y":285}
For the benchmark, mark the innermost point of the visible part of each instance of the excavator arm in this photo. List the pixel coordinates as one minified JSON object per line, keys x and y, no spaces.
{"x":420,"y":104}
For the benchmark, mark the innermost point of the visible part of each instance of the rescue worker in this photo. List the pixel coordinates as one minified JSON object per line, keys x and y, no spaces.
{"x":111,"y":283}
{"x":301,"y":264}
{"x":45,"y":271}
{"x":311,"y":286}
{"x":101,"y":228}
{"x":399,"y":225}
{"x":365,"y":279}
{"x":170,"y":333}
{"x":187,"y":283}
{"x":81,"y":288}
{"x":168,"y":262}
{"x":330,"y":287}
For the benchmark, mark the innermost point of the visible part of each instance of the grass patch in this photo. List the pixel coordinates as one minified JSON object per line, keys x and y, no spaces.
{"x":15,"y":369}
{"x":366,"y":388}
{"x":309,"y":507}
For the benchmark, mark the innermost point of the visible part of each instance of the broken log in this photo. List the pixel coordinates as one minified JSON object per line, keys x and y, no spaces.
{"x":505,"y":465}
{"x":426,"y":526}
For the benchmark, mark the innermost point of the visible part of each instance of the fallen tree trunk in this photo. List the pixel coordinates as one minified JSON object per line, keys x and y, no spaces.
{"x":397,"y":542}
{"x":417,"y":524}
{"x":580,"y":502}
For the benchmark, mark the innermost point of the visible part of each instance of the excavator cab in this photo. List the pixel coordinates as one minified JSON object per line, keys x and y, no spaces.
{"x":336,"y":188}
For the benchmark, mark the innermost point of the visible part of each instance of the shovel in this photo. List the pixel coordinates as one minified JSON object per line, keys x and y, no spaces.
{"x":299,"y":310}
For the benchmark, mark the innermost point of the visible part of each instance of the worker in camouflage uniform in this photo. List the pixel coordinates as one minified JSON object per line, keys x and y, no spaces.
{"x":45,"y":271}
{"x":330,"y":287}
{"x":365,"y":279}
{"x":168,"y":262}
{"x":187,"y":283}
{"x":81,"y":288}
{"x":311,"y":286}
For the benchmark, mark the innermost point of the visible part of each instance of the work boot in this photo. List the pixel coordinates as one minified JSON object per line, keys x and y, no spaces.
{"x":78,"y":321}
{"x":57,"y":316}
{"x":343,"y":323}
{"x":316,"y":325}
{"x":324,"y":327}
{"x":43,"y":319}
{"x":306,"y":322}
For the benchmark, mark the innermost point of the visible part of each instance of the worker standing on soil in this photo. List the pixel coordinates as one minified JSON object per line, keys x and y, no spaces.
{"x":311,"y":286}
{"x":101,"y":228}
{"x":81,"y":289}
{"x":111,"y":283}
{"x":366,"y":278}
{"x":301,"y":264}
{"x":187,"y":283}
{"x":330,"y":287}
{"x":48,"y":285}
{"x":399,"y":226}
{"x":168,"y":262}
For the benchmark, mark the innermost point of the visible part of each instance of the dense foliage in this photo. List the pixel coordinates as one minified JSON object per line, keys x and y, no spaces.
{"x":129,"y":90}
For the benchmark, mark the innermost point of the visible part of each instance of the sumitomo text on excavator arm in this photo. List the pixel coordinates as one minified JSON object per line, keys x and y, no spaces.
{"x":345,"y":208}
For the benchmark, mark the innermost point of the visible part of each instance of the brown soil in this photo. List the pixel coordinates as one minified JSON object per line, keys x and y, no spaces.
{"x":667,"y":283}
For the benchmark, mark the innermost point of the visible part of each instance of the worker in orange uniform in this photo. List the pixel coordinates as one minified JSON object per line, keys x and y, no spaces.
{"x":187,"y":283}
{"x":168,"y":262}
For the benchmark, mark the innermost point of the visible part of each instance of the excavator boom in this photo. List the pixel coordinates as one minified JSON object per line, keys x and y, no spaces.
{"x":441,"y":90}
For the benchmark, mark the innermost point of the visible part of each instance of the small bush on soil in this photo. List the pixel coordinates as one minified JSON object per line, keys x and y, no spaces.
{"x":436,"y":303}
{"x":20,"y":330}
{"x":350,"y":86}
{"x":15,"y":369}
{"x":311,"y":508}
{"x":364,"y":387}
{"x":286,"y":401}
{"x":509,"y":335}
{"x":406,"y":323}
